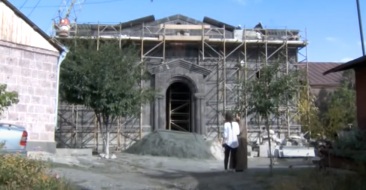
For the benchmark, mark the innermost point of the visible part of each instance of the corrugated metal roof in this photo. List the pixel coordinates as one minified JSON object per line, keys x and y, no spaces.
{"x":316,"y":77}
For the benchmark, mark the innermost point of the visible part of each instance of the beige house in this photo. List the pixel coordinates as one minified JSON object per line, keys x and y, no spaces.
{"x":29,"y":61}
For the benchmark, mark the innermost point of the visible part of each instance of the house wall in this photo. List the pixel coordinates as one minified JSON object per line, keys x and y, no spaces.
{"x":14,"y":29}
{"x":32,"y":73}
{"x":360,"y":95}
{"x":28,"y":65}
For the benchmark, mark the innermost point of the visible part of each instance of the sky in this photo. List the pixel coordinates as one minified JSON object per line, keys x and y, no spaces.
{"x":331,"y":26}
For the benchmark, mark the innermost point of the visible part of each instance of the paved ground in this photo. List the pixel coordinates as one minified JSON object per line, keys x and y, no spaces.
{"x":132,"y":172}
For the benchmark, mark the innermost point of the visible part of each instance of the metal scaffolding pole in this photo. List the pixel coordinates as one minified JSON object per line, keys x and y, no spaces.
{"x":142,"y":72}
{"x":287,"y":102}
{"x":224,"y":74}
{"x":245,"y":79}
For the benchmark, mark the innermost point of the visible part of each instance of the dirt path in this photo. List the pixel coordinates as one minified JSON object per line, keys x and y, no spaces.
{"x":132,"y":172}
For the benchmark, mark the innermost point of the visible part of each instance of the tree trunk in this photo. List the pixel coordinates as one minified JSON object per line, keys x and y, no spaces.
{"x":269,"y":147}
{"x":106,"y":134}
{"x":106,"y":151}
{"x":105,"y":130}
{"x":106,"y":121}
{"x":100,"y":127}
{"x":104,"y":142}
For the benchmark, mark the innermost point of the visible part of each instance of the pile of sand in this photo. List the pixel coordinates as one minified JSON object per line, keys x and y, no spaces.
{"x":216,"y":149}
{"x":172,"y":144}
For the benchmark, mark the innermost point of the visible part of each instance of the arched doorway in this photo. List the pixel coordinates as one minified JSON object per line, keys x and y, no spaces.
{"x":179,"y":107}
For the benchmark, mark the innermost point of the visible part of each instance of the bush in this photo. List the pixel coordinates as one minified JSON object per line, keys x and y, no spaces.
{"x":350,"y":145}
{"x":20,"y":173}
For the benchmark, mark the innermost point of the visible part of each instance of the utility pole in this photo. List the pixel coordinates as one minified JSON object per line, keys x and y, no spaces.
{"x":360,"y":27}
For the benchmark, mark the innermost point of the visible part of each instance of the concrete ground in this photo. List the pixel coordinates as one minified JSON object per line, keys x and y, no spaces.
{"x":133,"y":172}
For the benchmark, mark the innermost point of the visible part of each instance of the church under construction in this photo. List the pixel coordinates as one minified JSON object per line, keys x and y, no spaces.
{"x":197,"y":65}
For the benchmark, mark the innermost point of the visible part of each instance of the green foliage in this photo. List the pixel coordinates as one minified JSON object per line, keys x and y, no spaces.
{"x":105,"y":80}
{"x":20,"y":173}
{"x":351,"y":144}
{"x":308,"y":116}
{"x":336,"y":111}
{"x":265,"y":95}
{"x":7,"y":98}
{"x":271,"y":90}
{"x":321,"y":102}
{"x":342,"y":101}
{"x":348,"y":79}
{"x":2,"y":144}
{"x":340,"y":108}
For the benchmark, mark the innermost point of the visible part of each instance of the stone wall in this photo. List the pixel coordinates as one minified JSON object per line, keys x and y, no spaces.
{"x":32,"y":72}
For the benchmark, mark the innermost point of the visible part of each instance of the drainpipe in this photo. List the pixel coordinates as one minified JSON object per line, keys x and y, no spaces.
{"x":60,"y":60}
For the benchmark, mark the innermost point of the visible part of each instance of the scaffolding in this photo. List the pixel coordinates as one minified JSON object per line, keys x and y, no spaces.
{"x":235,"y":55}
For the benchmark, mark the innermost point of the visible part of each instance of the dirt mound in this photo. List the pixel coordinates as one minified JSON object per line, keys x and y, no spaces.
{"x":216,"y":149}
{"x":172,"y":144}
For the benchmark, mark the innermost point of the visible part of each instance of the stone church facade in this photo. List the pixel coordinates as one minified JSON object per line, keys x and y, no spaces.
{"x":196,"y":66}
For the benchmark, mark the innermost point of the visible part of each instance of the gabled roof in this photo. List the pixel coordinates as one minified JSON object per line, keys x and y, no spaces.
{"x":217,"y":23}
{"x":179,"y":17}
{"x":54,"y":43}
{"x":316,"y":77}
{"x":124,"y":25}
{"x":138,"y":21}
{"x":151,"y":18}
{"x":356,"y":63}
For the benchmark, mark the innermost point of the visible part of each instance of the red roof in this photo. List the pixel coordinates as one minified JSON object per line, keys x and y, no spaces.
{"x":316,"y":77}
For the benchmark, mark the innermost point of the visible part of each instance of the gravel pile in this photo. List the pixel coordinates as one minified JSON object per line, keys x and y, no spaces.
{"x":172,"y":144}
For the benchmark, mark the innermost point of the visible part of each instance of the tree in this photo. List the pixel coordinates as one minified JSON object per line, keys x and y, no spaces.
{"x":7,"y":98}
{"x":321,"y":102}
{"x":308,"y":116}
{"x":267,"y":93}
{"x":105,"y":80}
{"x":341,"y":106}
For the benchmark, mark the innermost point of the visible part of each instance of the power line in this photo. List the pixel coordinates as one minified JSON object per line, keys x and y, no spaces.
{"x":54,"y":17}
{"x":34,"y":8}
{"x":23,"y":4}
{"x":86,"y":3}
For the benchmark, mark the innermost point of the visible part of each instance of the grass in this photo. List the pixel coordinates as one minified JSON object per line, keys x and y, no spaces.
{"x":20,"y":173}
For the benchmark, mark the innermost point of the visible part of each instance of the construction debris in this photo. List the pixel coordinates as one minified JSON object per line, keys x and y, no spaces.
{"x":113,"y":156}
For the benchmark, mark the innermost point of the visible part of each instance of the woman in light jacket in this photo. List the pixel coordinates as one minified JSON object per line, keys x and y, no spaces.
{"x":230,"y":137}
